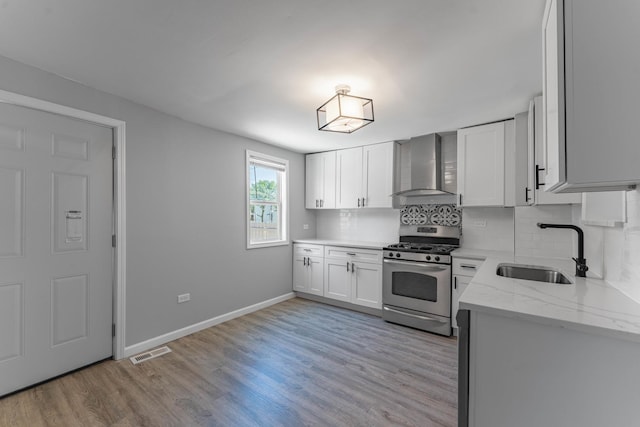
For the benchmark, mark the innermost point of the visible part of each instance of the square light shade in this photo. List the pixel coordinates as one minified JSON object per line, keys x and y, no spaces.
{"x":345,"y":113}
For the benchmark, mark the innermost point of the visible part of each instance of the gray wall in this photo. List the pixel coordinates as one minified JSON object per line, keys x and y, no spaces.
{"x":185,"y":210}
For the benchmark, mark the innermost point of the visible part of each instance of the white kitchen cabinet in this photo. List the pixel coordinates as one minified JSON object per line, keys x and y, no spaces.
{"x":463,"y":270}
{"x":484,"y":178}
{"x":320,"y":183}
{"x":536,"y":166}
{"x":364,"y":176}
{"x":353,"y":275}
{"x":377,"y":175}
{"x":349,"y":178}
{"x":337,"y":283}
{"x":308,"y":268}
{"x":590,"y":95}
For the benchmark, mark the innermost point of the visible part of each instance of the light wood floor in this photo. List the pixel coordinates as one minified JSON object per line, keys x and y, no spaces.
{"x":293,"y":364}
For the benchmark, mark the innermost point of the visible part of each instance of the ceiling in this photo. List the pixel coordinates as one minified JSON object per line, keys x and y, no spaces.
{"x":260,"y":68}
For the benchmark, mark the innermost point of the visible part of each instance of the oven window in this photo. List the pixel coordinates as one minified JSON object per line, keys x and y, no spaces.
{"x":415,"y":285}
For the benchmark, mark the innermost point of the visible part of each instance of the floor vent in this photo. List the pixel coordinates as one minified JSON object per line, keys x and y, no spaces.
{"x":139,"y":358}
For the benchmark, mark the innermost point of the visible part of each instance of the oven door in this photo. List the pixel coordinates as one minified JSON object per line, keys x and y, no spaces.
{"x":417,"y":286}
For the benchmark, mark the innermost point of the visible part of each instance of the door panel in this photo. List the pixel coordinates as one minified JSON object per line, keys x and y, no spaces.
{"x":337,"y":280}
{"x":56,"y":285}
{"x":367,"y":285}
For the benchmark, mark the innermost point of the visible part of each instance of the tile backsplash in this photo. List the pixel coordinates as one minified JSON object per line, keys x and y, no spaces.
{"x":370,"y":225}
{"x":550,"y":243}
{"x":621,"y":249}
{"x":444,"y":214}
{"x":487,"y":228}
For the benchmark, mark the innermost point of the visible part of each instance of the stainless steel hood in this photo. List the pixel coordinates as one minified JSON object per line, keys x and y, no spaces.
{"x":418,"y":171}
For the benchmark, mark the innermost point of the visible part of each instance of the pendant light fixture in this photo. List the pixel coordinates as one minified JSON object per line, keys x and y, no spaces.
{"x":345,"y":113}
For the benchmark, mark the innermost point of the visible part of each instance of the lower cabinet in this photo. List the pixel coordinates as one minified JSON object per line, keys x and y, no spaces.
{"x":463,"y":270}
{"x":308,"y":268}
{"x":353,"y":275}
{"x":348,"y":274}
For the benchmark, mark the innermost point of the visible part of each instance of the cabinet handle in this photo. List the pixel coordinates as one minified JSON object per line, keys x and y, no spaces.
{"x":351,"y":253}
{"x":472,"y":267}
{"x":307,"y":250}
{"x":353,"y":268}
{"x":538,"y":183}
{"x":317,"y":204}
{"x":459,"y":199}
{"x":455,"y":283}
{"x":304,"y":261}
{"x":526,"y":194}
{"x":321,"y":203}
{"x":358,"y":201}
{"x":347,"y":266}
{"x":363,"y":202}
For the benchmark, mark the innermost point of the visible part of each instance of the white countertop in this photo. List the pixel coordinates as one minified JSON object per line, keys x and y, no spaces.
{"x":345,"y":243}
{"x":588,"y":305}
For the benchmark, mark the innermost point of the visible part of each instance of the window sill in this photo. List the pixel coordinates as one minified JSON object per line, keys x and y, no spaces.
{"x":268,"y":244}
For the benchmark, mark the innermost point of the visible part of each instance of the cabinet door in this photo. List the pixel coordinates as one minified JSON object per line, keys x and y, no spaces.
{"x":377,"y":164}
{"x":538,"y":165}
{"x":320,"y":181}
{"x":316,"y":276}
{"x":553,"y":94}
{"x":337,"y":280}
{"x":300,"y":274}
{"x":481,"y":165}
{"x":349,"y":178}
{"x":328,"y":200}
{"x":313,"y":181}
{"x":366,"y":285}
{"x":460,"y":283}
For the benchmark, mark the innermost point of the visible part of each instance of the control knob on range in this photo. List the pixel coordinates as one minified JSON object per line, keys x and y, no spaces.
{"x":397,"y":254}
{"x":437,"y":258}
{"x":390,"y":254}
{"x":428,"y":257}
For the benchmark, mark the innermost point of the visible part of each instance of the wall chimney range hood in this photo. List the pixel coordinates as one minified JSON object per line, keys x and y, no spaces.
{"x":418,"y":171}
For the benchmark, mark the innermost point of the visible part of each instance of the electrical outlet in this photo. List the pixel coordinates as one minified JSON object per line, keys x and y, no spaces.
{"x":184,"y":298}
{"x":305,"y":226}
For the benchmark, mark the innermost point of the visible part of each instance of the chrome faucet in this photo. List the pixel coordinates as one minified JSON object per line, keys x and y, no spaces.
{"x":581,"y":263}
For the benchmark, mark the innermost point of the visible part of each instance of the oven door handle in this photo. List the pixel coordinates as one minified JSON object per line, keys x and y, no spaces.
{"x":421,"y":266}
{"x":431,"y":319}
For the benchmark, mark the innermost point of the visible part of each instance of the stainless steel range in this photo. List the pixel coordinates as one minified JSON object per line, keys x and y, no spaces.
{"x":416,"y":278}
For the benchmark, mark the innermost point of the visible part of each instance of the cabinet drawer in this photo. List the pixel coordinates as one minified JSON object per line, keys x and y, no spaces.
{"x":305,"y":249}
{"x":353,"y":254}
{"x":465,"y":266}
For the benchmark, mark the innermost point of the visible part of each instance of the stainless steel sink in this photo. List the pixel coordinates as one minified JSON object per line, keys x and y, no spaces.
{"x":532,"y":272}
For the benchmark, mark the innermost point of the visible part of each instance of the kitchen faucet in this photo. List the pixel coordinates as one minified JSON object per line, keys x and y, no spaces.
{"x":581,"y":263}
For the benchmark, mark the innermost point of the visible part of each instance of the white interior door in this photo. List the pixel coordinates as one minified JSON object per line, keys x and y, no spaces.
{"x":56,"y":288}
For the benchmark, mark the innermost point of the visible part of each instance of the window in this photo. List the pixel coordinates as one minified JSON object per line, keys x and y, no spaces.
{"x":266,"y":200}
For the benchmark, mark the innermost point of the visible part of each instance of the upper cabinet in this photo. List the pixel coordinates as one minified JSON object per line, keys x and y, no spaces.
{"x":484,"y":177}
{"x":531,"y":142}
{"x":377,"y":175}
{"x":590,"y":95}
{"x":349,"y":178}
{"x":320,"y":181}
{"x":360,"y":177}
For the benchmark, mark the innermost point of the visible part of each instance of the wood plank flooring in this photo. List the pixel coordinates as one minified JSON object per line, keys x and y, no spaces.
{"x":298,"y":363}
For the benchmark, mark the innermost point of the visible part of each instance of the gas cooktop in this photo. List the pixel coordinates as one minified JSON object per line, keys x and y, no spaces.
{"x":425,"y":248}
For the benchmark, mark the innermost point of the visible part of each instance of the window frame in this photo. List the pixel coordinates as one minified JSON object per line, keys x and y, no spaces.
{"x":283,"y":195}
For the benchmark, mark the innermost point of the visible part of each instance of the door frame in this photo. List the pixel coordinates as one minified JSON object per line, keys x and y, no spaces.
{"x":119,"y":177}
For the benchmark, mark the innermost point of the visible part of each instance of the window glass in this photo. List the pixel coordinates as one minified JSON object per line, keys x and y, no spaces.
{"x":266,"y":200}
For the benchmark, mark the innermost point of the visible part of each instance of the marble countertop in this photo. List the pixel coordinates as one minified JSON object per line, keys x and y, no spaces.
{"x":588,"y":305}
{"x":345,"y":243}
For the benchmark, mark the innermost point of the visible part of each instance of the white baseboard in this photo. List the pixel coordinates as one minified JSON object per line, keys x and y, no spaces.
{"x":163,"y":339}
